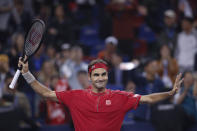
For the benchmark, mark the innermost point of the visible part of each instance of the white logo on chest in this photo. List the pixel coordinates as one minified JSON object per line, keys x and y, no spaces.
{"x":108,"y":102}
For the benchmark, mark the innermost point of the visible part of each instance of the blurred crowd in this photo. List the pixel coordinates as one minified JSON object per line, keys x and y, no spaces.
{"x":155,"y":40}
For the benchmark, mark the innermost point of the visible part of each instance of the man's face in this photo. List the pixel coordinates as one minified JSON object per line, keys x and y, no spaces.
{"x":152,"y":67}
{"x":169,"y":21}
{"x":188,"y":79}
{"x":99,"y":78}
{"x":186,"y":25}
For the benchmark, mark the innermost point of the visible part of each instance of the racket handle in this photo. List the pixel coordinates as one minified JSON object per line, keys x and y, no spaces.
{"x":14,"y":80}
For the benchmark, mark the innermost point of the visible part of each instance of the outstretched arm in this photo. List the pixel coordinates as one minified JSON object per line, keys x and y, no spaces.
{"x":156,"y":97}
{"x":37,"y":86}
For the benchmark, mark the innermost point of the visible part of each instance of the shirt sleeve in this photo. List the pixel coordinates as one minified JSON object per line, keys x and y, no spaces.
{"x":64,"y":97}
{"x":132,"y":101}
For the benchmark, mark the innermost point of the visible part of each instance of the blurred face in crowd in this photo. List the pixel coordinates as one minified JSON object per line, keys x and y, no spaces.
{"x":59,"y":11}
{"x":45,"y":10}
{"x":186,"y":25}
{"x":54,"y":81}
{"x":99,"y":78}
{"x":116,"y":59}
{"x":19,"y":5}
{"x":19,"y":42}
{"x":151,"y":68}
{"x":48,"y":68}
{"x":110,"y":47}
{"x":169,"y":21}
{"x":165,"y":51}
{"x":188,"y":79}
{"x":76,"y":54}
{"x":65,"y":53}
{"x":51,"y":52}
{"x":83,"y":79}
{"x":4,"y":64}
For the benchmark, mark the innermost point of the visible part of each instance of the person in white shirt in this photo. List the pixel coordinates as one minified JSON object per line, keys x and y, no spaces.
{"x":186,"y":45}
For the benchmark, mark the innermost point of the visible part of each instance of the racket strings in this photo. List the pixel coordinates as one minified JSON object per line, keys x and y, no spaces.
{"x":34,"y":38}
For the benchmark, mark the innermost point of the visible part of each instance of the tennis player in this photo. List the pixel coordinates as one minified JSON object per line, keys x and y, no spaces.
{"x":96,"y":108}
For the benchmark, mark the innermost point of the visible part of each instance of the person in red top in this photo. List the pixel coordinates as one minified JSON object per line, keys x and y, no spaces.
{"x":96,"y":108}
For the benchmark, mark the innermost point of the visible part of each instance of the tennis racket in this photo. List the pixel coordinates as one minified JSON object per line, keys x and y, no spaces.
{"x":32,"y":43}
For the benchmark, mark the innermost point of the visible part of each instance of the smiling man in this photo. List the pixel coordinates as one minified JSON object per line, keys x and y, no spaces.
{"x":97,"y":108}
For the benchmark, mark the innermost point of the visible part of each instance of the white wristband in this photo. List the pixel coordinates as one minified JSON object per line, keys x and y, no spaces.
{"x":28,"y":77}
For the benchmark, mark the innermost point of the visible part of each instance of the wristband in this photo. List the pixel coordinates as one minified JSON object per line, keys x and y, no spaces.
{"x":28,"y":77}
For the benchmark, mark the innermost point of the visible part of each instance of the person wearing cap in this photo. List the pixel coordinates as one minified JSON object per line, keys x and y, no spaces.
{"x":96,"y":108}
{"x":64,"y":55}
{"x":111,"y":43}
{"x":168,"y":34}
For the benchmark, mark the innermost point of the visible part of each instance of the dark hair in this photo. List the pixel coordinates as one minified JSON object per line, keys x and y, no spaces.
{"x":189,"y":19}
{"x":187,"y":72}
{"x":146,"y":61}
{"x":97,"y":61}
{"x":82,"y":72}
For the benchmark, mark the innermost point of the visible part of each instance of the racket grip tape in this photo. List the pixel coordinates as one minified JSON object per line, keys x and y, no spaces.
{"x":14,"y":80}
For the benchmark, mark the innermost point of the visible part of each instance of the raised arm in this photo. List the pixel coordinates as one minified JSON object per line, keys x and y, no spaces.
{"x":156,"y":97}
{"x":36,"y":85}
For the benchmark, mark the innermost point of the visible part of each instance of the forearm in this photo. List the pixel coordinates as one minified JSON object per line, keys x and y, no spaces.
{"x":39,"y":88}
{"x":155,"y":97}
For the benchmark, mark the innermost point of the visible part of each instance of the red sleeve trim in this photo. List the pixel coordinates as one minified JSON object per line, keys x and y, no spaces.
{"x":137,"y":102}
{"x":58,"y":97}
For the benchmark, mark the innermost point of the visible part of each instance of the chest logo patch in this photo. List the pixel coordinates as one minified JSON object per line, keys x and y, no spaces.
{"x":108,"y":102}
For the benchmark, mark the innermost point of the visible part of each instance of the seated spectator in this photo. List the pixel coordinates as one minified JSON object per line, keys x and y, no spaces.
{"x":82,"y":76}
{"x":4,"y":71}
{"x":187,"y":99}
{"x":147,"y":83}
{"x":16,"y":49}
{"x":111,"y":43}
{"x":15,"y":104}
{"x":117,"y":76}
{"x":20,"y":19}
{"x":167,"y":66}
{"x":168,"y":34}
{"x":60,"y":28}
{"x":64,"y":55}
{"x":57,"y":114}
{"x":71,"y":67}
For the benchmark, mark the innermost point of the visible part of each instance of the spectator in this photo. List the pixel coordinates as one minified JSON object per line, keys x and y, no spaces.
{"x":111,"y":43}
{"x":20,"y":19}
{"x":148,"y":83}
{"x":4,"y":70}
{"x":60,"y":29}
{"x":82,"y":76}
{"x":168,"y":34}
{"x":167,"y":66}
{"x":17,"y":106}
{"x":57,"y":114}
{"x":186,"y":45}
{"x":71,"y":67}
{"x":117,"y":76}
{"x":186,"y":98}
{"x":5,"y":11}
{"x":125,"y":20}
{"x":64,"y":55}
{"x":47,"y":71}
{"x":16,"y":49}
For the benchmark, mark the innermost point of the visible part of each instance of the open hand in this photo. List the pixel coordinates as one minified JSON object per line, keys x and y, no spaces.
{"x":177,"y":84}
